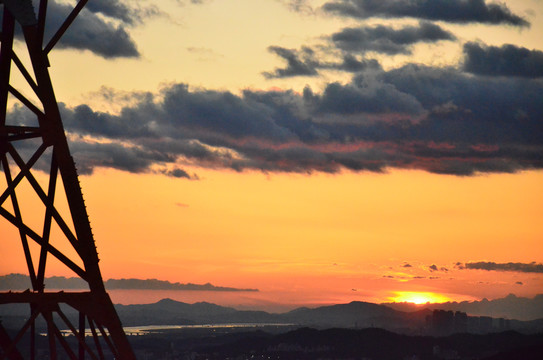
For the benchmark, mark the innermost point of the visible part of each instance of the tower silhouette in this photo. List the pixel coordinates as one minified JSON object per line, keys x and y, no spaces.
{"x":54,"y":228}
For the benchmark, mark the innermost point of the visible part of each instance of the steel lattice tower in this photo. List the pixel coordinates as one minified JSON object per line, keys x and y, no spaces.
{"x":24,"y":148}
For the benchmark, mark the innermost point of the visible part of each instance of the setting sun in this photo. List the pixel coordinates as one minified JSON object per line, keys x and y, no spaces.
{"x":419,"y":297}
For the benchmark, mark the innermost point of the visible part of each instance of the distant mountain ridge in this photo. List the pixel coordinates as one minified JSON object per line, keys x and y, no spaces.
{"x":511,"y":306}
{"x":22,"y":282}
{"x":352,"y":315}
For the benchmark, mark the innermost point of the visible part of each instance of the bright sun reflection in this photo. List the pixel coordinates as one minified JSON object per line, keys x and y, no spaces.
{"x":419,"y":297}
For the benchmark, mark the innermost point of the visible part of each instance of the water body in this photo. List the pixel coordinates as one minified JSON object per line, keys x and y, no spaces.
{"x":149,"y":329}
{"x":144,"y":330}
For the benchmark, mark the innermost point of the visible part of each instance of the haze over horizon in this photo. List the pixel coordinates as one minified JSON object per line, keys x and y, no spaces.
{"x":154,"y":294}
{"x":322,"y":151}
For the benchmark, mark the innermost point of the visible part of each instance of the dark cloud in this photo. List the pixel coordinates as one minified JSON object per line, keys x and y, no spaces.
{"x":367,"y":96}
{"x":92,"y":32}
{"x":351,"y":64}
{"x":180,"y":173}
{"x":434,"y":267}
{"x":456,"y":11}
{"x":133,"y":159}
{"x":128,"y":12}
{"x":384,"y":39}
{"x":348,"y":44}
{"x":112,"y":8}
{"x":304,"y":63}
{"x":513,"y":267}
{"x":456,"y":124}
{"x":299,"y":63}
{"x":507,"y":60}
{"x":440,"y":120}
{"x":407,"y":265}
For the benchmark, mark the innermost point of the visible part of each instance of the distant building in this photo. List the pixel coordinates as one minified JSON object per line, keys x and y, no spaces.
{"x":460,"y":322}
{"x":442,"y":322}
{"x":503,"y":324}
{"x":485,"y":324}
{"x":448,"y":322}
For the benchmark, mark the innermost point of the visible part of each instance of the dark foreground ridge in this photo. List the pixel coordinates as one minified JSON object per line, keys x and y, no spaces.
{"x":308,"y":343}
{"x":271,"y":342}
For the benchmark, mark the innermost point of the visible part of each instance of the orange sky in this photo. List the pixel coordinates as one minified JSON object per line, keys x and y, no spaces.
{"x":344,"y":237}
{"x":189,"y":96}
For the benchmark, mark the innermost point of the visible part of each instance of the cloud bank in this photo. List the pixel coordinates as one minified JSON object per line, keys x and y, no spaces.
{"x":483,"y":116}
{"x":101,"y":27}
{"x":455,"y":11}
{"x":440,"y":120}
{"x":513,"y":267}
{"x":386,"y":40}
{"x":507,"y":60}
{"x":350,"y":45}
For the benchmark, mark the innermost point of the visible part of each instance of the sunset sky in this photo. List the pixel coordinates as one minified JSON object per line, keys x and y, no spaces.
{"x":321,"y":151}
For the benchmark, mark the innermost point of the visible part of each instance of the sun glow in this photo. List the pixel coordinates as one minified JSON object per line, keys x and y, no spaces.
{"x":419,"y":297}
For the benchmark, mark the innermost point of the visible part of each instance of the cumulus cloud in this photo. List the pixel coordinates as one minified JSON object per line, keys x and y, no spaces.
{"x":351,"y":63}
{"x":101,"y":27}
{"x":112,"y":8}
{"x":506,"y":60}
{"x":455,"y":11}
{"x":365,"y":96}
{"x":345,"y":50}
{"x":299,"y":63}
{"x":129,"y":158}
{"x":532,"y":267}
{"x":305,"y":62}
{"x":387,"y":40}
{"x":91,"y":32}
{"x":180,"y":173}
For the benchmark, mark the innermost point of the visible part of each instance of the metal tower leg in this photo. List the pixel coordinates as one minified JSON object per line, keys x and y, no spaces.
{"x":49,"y":145}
